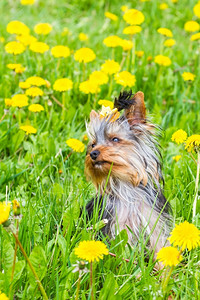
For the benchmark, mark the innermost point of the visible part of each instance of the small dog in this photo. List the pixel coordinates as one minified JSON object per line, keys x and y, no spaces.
{"x":123,"y":161}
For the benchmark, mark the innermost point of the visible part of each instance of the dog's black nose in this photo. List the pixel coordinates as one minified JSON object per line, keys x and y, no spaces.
{"x":94,"y":154}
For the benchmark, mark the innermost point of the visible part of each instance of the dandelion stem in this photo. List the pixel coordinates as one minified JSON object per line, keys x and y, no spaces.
{"x":166,"y":280}
{"x":31,"y":267}
{"x":19,"y":115}
{"x":91,"y":281}
{"x":78,"y":286}
{"x":110,"y":86}
{"x":196,"y":185}
{"x":14,"y":260}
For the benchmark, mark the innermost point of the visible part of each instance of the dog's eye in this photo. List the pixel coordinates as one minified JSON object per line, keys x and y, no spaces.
{"x":115,"y":139}
{"x":93,"y":145}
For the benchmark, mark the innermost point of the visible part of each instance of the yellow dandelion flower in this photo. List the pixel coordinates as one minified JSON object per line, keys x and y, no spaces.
{"x":91,"y":250}
{"x":193,"y":143}
{"x":185,"y":235}
{"x":191,"y":26}
{"x":179,"y":136}
{"x":83,"y":37}
{"x":124,"y":8}
{"x":169,"y":256}
{"x":2,"y":39}
{"x":169,"y":42}
{"x":195,"y":36}
{"x":28,"y":129}
{"x":149,"y":58}
{"x":48,"y":84}
{"x":110,"y":114}
{"x":126,"y":45}
{"x":13,"y":66}
{"x":26,"y":40}
{"x":106,"y":103}
{"x":176,"y":158}
{"x":8,"y":102}
{"x":132,"y":29}
{"x":125,"y":79}
{"x":144,"y":0}
{"x":111,"y":16}
{"x":14,"y":48}
{"x":133,"y":17}
{"x":99,"y":77}
{"x":89,"y":87}
{"x":36,"y":80}
{"x":139,"y":53}
{"x":35,"y":107}
{"x":165,"y":31}
{"x":24,"y":85}
{"x":110,"y":67}
{"x":34,"y":92}
{"x":43,"y":28}
{"x":3,"y":296}
{"x":84,"y":55}
{"x":27,"y":2}
{"x":62,"y":85}
{"x":188,"y":76}
{"x":17,"y":27}
{"x":4,"y":212}
{"x":39,"y":47}
{"x":76,"y":145}
{"x":196,"y":9}
{"x":112,"y":41}
{"x":60,"y":51}
{"x":16,"y":207}
{"x":174,"y":1}
{"x":85,"y":137}
{"x":19,"y":100}
{"x":162,"y":60}
{"x":163,"y":6}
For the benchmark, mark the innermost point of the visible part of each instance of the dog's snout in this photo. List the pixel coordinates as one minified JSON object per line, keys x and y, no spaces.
{"x":94,"y":154}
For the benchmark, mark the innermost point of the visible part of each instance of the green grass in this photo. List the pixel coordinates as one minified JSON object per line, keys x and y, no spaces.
{"x":30,"y":164}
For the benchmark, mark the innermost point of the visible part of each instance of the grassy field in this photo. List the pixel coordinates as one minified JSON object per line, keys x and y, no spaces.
{"x":47,"y":177}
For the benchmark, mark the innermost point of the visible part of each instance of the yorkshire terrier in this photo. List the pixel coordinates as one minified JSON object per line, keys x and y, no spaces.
{"x":123,"y":162}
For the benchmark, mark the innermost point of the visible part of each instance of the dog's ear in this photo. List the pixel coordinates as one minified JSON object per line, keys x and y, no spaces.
{"x":93,"y":115}
{"x":136,"y":112}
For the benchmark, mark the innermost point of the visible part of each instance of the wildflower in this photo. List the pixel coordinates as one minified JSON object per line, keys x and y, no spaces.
{"x":165,"y":31}
{"x":169,"y":256}
{"x":17,"y":27}
{"x":19,"y":100}
{"x":133,"y":17}
{"x":62,"y":85}
{"x":34,"y":92}
{"x":106,"y":103}
{"x":35,"y":107}
{"x":8,"y":102}
{"x":124,"y":8}
{"x":144,"y":0}
{"x":14,"y":48}
{"x":169,"y":43}
{"x":60,"y":51}
{"x":2,"y":39}
{"x":174,"y":1}
{"x":111,"y":16}
{"x":163,"y":60}
{"x":179,"y":136}
{"x":24,"y":85}
{"x":196,"y":9}
{"x":89,"y":87}
{"x":149,"y":58}
{"x":125,"y":78}
{"x":83,"y":37}
{"x":85,"y":137}
{"x":76,"y":145}
{"x":36,"y":80}
{"x":4,"y":212}
{"x":191,"y":26}
{"x":43,"y":28}
{"x":195,"y":36}
{"x":18,"y":68}
{"x":132,"y":29}
{"x":126,"y":45}
{"x":176,"y":158}
{"x":163,"y":6}
{"x":99,"y":77}
{"x":110,"y":114}
{"x":48,"y":84}
{"x":26,"y":40}
{"x":193,"y":143}
{"x":16,"y":207}
{"x":80,"y":266}
{"x":39,"y":47}
{"x":110,"y":67}
{"x":27,"y":2}
{"x":139,"y":53}
{"x":91,"y":250}
{"x":188,"y":76}
{"x":84,"y":55}
{"x":28,"y":129}
{"x":185,"y":235}
{"x":3,"y":296}
{"x":112,"y":41}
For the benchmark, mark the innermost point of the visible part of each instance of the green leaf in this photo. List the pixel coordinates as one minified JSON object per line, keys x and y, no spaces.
{"x":119,"y":243}
{"x":62,"y":244}
{"x":108,"y":290}
{"x":19,"y":267}
{"x":8,"y":255}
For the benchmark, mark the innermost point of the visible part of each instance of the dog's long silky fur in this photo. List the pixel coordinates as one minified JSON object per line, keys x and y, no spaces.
{"x":133,"y":198}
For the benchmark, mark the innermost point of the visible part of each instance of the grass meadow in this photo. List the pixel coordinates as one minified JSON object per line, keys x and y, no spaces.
{"x":46,"y":176}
